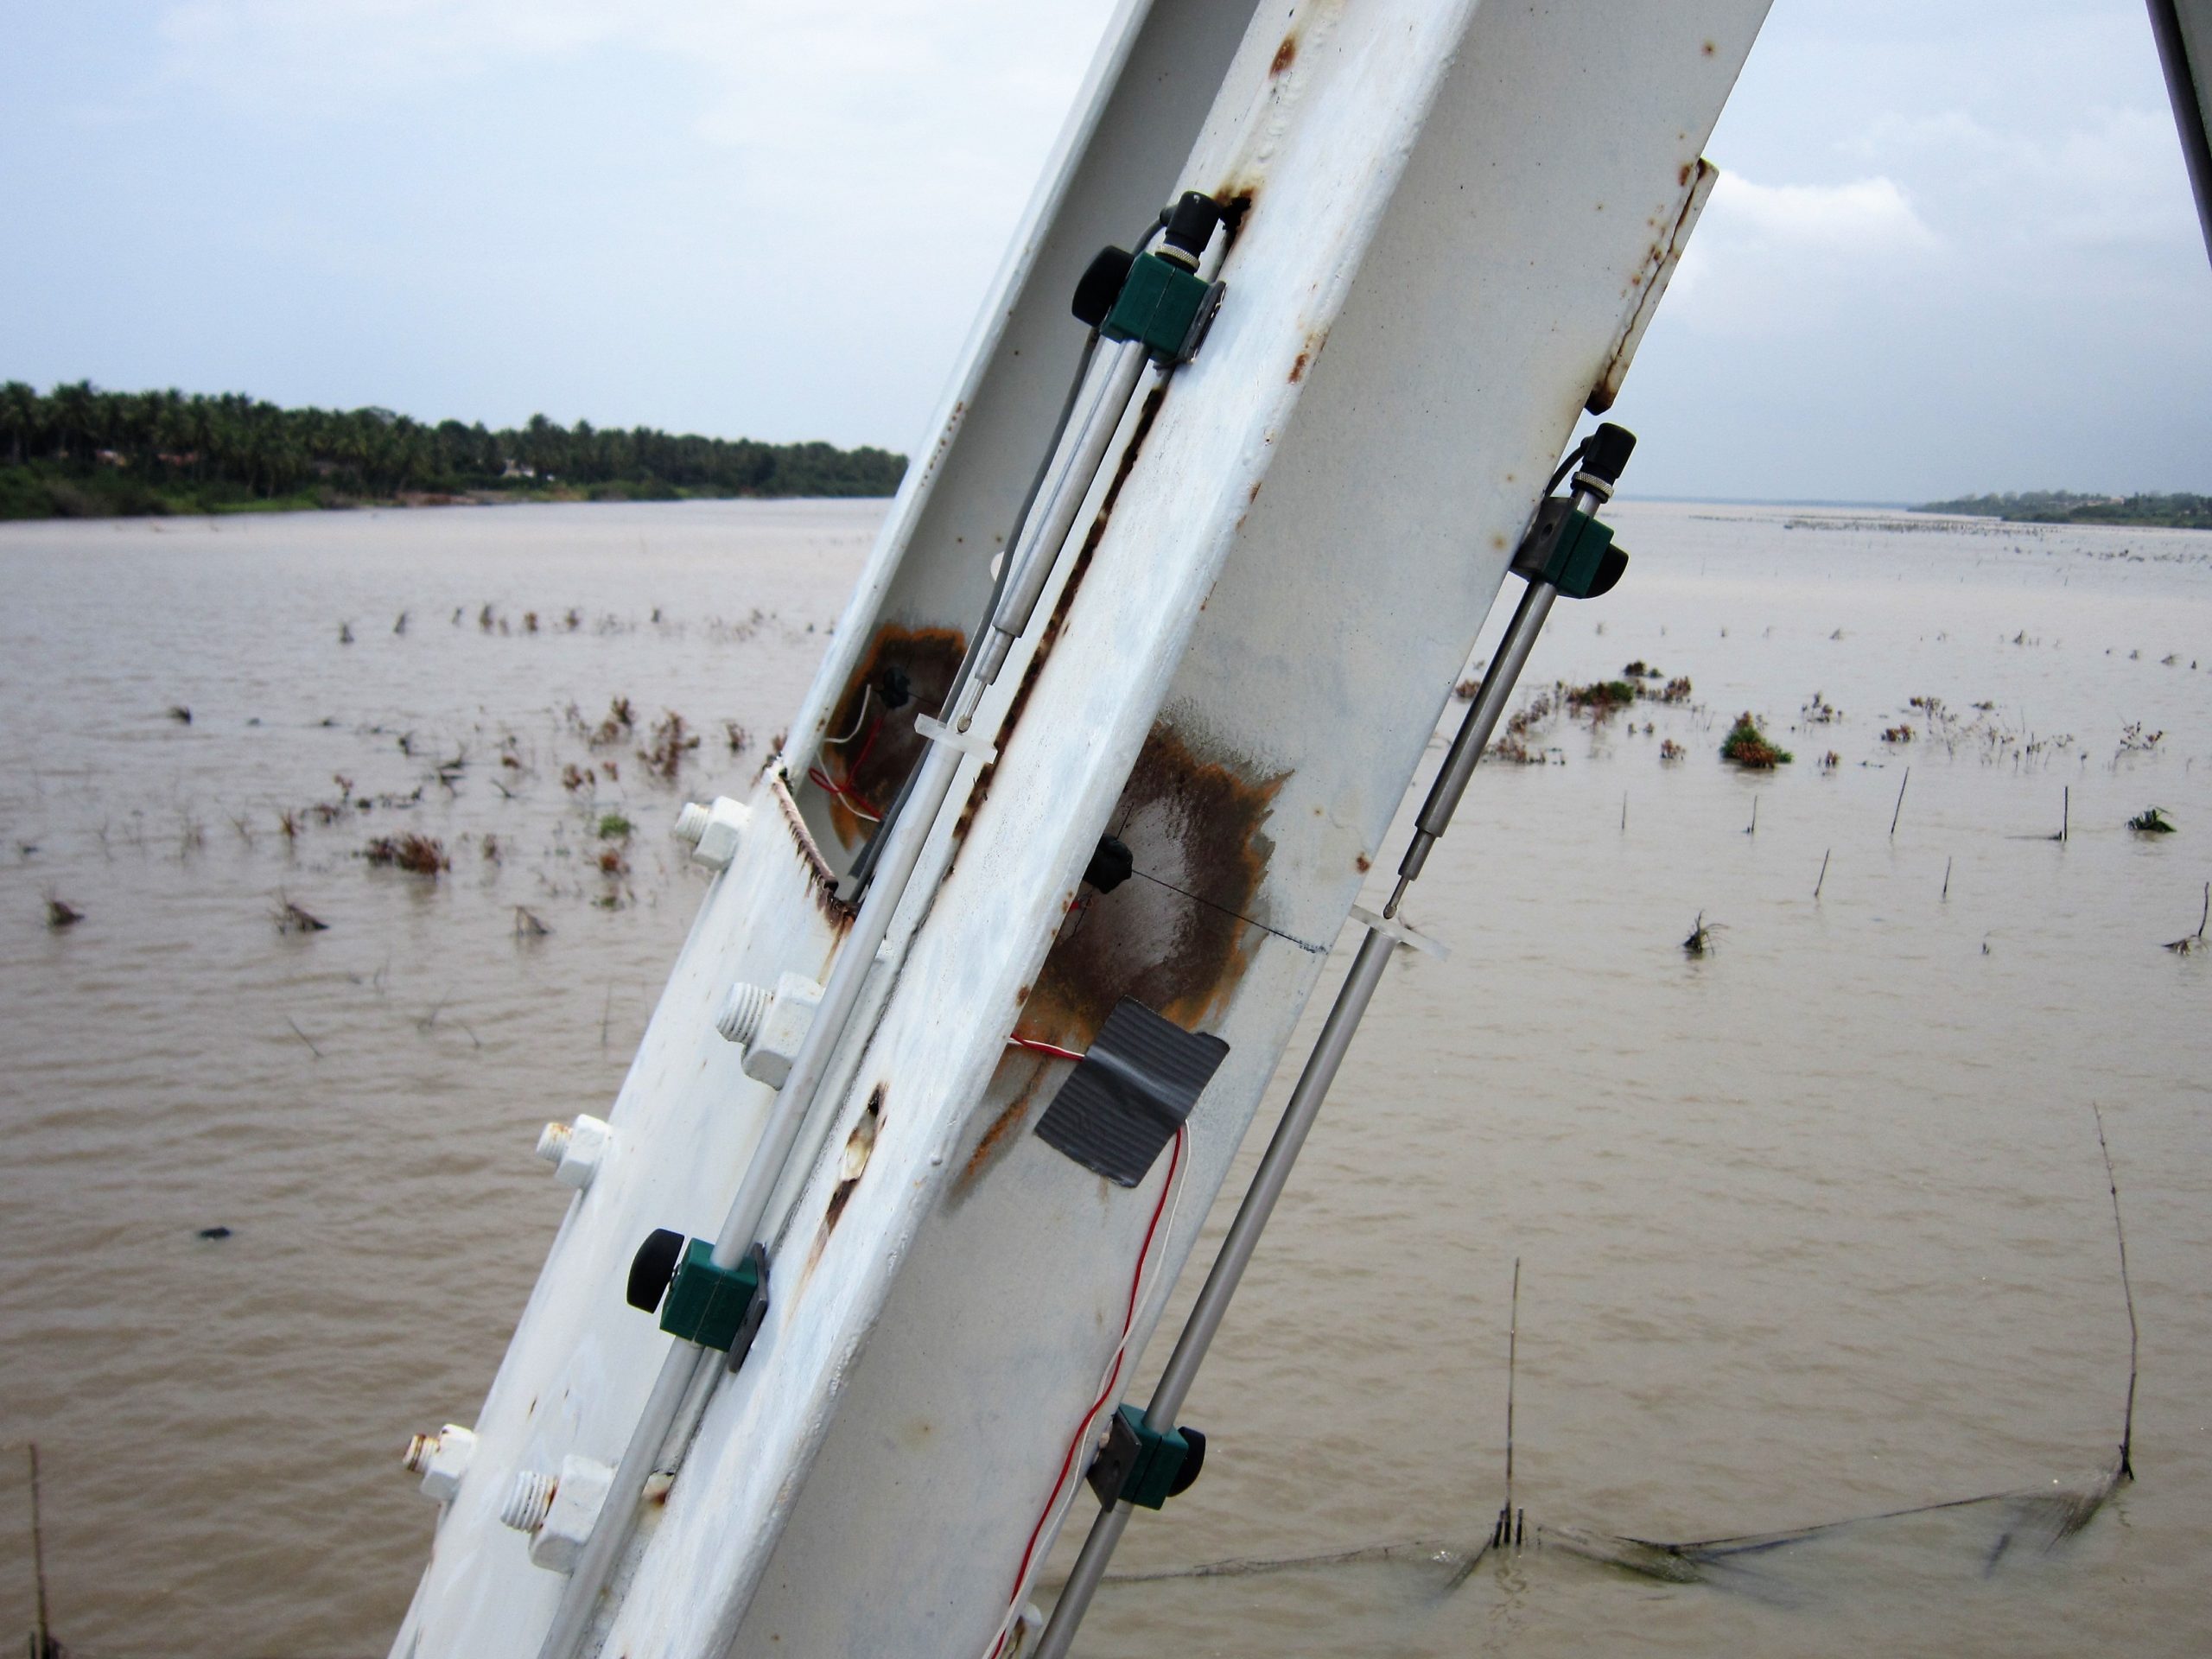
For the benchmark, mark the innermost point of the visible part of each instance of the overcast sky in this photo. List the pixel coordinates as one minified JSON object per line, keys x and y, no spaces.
{"x":1952,"y":248}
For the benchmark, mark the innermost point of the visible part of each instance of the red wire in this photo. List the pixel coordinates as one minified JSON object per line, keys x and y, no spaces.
{"x":1082,"y":1428}
{"x":845,"y":791}
{"x":1037,"y":1046}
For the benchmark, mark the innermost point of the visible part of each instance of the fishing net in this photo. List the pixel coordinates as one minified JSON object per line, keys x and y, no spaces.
{"x":1970,"y":1537}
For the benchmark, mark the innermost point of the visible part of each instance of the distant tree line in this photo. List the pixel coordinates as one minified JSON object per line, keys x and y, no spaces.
{"x":85,"y":449}
{"x":2067,"y":507}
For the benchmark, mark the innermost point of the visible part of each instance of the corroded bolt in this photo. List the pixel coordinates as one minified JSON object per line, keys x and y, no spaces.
{"x":441,"y":1459}
{"x":576,"y":1150}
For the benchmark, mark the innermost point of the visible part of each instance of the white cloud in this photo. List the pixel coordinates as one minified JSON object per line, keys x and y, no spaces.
{"x":2105,"y":177}
{"x":1767,"y":258}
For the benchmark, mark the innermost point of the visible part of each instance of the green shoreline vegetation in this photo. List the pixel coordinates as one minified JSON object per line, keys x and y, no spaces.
{"x":78,"y":452}
{"x":2066,"y":507}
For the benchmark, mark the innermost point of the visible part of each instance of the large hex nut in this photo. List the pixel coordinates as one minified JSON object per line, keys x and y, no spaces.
{"x":783,"y":1027}
{"x":441,"y":1459}
{"x":577,"y":1149}
{"x":713,"y":831}
{"x":579,"y":1495}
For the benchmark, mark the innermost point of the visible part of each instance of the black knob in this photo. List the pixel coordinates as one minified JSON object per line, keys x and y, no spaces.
{"x":1102,"y":285}
{"x":1188,"y":1474}
{"x":652,"y":1267}
{"x":1610,"y":448}
{"x":1191,"y":225}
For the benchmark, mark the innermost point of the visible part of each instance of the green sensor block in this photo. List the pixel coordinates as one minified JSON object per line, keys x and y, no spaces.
{"x":1158,"y":304}
{"x":1159,"y":1460}
{"x":706,"y":1304}
{"x":1578,"y":555}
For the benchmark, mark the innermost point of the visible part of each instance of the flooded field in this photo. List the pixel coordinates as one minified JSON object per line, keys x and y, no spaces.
{"x":1811,"y":1225}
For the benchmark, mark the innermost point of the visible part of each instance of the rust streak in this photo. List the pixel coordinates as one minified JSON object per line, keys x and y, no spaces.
{"x":1285,"y":54}
{"x":859,"y":1146}
{"x":1004,"y":1128}
{"x":1180,"y":940}
{"x":820,"y":878}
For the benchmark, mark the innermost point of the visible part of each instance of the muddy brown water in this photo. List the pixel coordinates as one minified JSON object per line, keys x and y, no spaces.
{"x":1812,"y":1227}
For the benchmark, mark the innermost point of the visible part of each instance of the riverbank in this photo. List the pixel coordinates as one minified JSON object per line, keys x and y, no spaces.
{"x":2066,"y":507}
{"x":48,"y":490}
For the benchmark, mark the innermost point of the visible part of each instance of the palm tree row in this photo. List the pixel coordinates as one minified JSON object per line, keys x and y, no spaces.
{"x":166,"y":437}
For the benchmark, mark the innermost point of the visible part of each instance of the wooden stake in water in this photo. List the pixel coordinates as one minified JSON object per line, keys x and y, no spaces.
{"x":2065,"y":810}
{"x":43,"y":1646}
{"x":1947,"y":879}
{"x":2127,"y":1422}
{"x":1512,"y":1360}
{"x":1752,"y":828}
{"x":1823,"y":881}
{"x":1899,"y":812}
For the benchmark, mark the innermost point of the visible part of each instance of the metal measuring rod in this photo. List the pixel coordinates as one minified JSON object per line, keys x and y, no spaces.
{"x":1147,"y":1459}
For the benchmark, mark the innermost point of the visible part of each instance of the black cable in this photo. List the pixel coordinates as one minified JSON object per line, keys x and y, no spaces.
{"x":1573,"y":457}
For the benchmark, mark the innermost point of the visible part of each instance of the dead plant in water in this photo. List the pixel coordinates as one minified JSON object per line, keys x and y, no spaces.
{"x":527,"y":926}
{"x":2152,"y":821}
{"x":1700,"y":942}
{"x":418,"y":855}
{"x":621,"y":719}
{"x":739,"y":739}
{"x":2193,"y":942}
{"x":293,"y":918}
{"x":671,"y":740}
{"x":59,"y":914}
{"x":1670,"y":750}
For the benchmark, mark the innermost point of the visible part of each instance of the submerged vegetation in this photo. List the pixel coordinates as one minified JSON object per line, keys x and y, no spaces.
{"x":79,"y":452}
{"x":2152,"y":821}
{"x":418,"y":855}
{"x":1748,"y":746}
